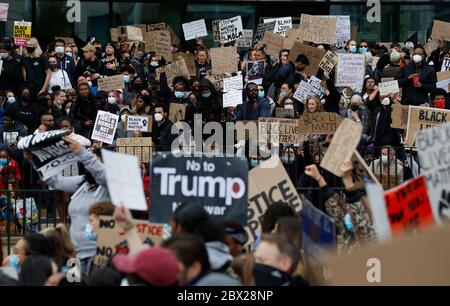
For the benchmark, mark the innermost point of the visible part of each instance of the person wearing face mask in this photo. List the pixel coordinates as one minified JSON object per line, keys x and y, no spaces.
{"x":120,"y":131}
{"x":11,"y":77}
{"x":209,"y":103}
{"x":358,"y":113}
{"x":262,"y":94}
{"x":59,"y":77}
{"x":417,"y":79}
{"x":110,"y":64}
{"x":363,"y":47}
{"x":111,"y":102}
{"x":290,"y":163}
{"x":439,"y":98}
{"x":351,"y":47}
{"x":35,"y":67}
{"x":388,"y":169}
{"x":162,"y":136}
{"x":84,"y":111}
{"x":25,"y":112}
{"x":66,"y":62}
{"x":9,"y":170}
{"x":181,"y":92}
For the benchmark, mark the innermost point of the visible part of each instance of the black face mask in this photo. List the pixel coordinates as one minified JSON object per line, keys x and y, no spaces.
{"x":25,"y":98}
{"x":53,"y":66}
{"x":354,"y":107}
{"x":30,"y":49}
{"x":268,"y":276}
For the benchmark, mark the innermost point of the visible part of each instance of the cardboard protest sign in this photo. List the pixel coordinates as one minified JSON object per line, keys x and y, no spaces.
{"x":4,"y":7}
{"x":67,"y":40}
{"x":281,"y":25}
{"x":142,"y":147}
{"x":150,"y":40}
{"x":420,"y":118}
{"x":318,"y":29}
{"x":163,"y":45}
{"x":350,"y":71}
{"x":361,"y":172}
{"x":51,"y":154}
{"x":268,"y":183}
{"x":430,"y":46}
{"x":343,"y":29}
{"x":292,"y":35}
{"x":231,"y":29}
{"x":341,"y":149}
{"x":328,"y":62}
{"x":174,"y":69}
{"x":278,"y":130}
{"x":263,"y":28}
{"x":387,"y":88}
{"x":233,"y":83}
{"x":434,"y":150}
{"x":21,"y":33}
{"x":139,"y":123}
{"x":246,"y":41}
{"x":224,"y":60}
{"x":399,"y":116}
{"x":313,"y":54}
{"x":319,"y":123}
{"x":318,"y":232}
{"x":216,"y":79}
{"x":105,"y":127}
{"x":445,"y":64}
{"x":130,"y":33}
{"x":273,"y":43}
{"x":177,"y":112}
{"x":232,"y":98}
{"x":114,"y":33}
{"x":188,"y":58}
{"x":111,"y":240}
{"x":441,"y":29}
{"x":124,"y":180}
{"x":281,"y":112}
{"x":216,"y":30}
{"x":255,"y":70}
{"x":303,"y":91}
{"x":442,"y":75}
{"x":218,"y":184}
{"x":156,"y":26}
{"x":111,"y":83}
{"x":194,"y":29}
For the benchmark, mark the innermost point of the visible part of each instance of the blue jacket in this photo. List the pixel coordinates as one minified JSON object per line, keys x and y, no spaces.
{"x":261,"y":108}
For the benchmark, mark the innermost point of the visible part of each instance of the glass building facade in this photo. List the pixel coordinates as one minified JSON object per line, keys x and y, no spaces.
{"x":399,"y":19}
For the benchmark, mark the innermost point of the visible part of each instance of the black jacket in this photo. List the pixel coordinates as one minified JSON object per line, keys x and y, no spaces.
{"x":11,"y":76}
{"x":82,"y":111}
{"x":411,"y":94}
{"x":162,"y":136}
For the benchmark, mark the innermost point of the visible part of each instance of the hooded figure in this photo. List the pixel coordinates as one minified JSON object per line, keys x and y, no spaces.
{"x":210,"y":102}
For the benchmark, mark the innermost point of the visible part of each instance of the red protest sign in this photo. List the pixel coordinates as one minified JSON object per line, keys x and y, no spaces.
{"x":408,"y":207}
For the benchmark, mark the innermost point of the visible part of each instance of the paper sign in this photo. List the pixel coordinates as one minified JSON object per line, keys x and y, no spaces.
{"x":342,"y":146}
{"x":142,"y":147}
{"x":255,"y":70}
{"x":246,"y":41}
{"x":232,"y":98}
{"x":215,"y":30}
{"x":139,"y":123}
{"x":351,"y":69}
{"x":268,"y":184}
{"x":281,"y":24}
{"x":445,"y":64}
{"x":399,"y":116}
{"x":194,"y":29}
{"x":319,"y":123}
{"x":123,"y":176}
{"x":318,"y":29}
{"x":387,"y":88}
{"x":224,"y":60}
{"x":328,"y":62}
{"x":443,"y":85}
{"x":315,"y":85}
{"x":278,"y":130}
{"x":178,"y":68}
{"x":273,"y":43}
{"x":150,"y":40}
{"x":21,"y":32}
{"x":343,"y":29}
{"x":281,"y":112}
{"x":188,"y":58}
{"x":111,"y":83}
{"x":177,"y":112}
{"x":105,"y":127}
{"x":163,"y":45}
{"x":231,"y":29}
{"x":303,"y":91}
{"x":233,"y":83}
{"x":361,"y":173}
{"x":4,"y":11}
{"x":441,"y":29}
{"x":434,"y":150}
{"x":313,"y":54}
{"x":263,"y":28}
{"x":420,"y":118}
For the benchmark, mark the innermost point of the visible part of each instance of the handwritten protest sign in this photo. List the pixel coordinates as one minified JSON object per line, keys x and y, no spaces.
{"x":350,"y":70}
{"x":216,"y":30}
{"x":233,"y":83}
{"x":343,"y":29}
{"x":292,"y":35}
{"x":313,"y":54}
{"x":139,"y":123}
{"x":273,"y":43}
{"x":445,"y":64}
{"x":361,"y":172}
{"x":387,"y":88}
{"x":216,"y":79}
{"x":111,"y":83}
{"x":318,"y":232}
{"x":188,"y":58}
{"x":303,"y":91}
{"x":441,"y":29}
{"x":177,"y":112}
{"x":255,"y":71}
{"x":194,"y":29}
{"x":156,"y":26}
{"x":246,"y":41}
{"x":21,"y":33}
{"x":124,"y":180}
{"x":231,"y":29}
{"x":341,"y":149}
{"x":232,"y":98}
{"x":4,"y":11}
{"x":219,"y":185}
{"x":224,"y":60}
{"x":434,"y":150}
{"x":112,"y":240}
{"x":130,"y":33}
{"x":318,"y":29}
{"x":281,"y":112}
{"x":150,"y":40}
{"x":268,"y":183}
{"x":142,"y":147}
{"x":399,"y":116}
{"x":178,"y":68}
{"x":278,"y":130}
{"x":263,"y":28}
{"x":328,"y":62}
{"x":163,"y":45}
{"x":281,"y":25}
{"x":319,"y":123}
{"x":420,"y":118}
{"x":315,"y":85}
{"x":105,"y":127}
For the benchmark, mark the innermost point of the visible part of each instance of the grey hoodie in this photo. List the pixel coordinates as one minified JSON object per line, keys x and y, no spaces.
{"x":84,"y":195}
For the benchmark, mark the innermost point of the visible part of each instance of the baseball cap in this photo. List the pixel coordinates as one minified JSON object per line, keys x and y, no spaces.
{"x":155,"y":265}
{"x":89,"y":47}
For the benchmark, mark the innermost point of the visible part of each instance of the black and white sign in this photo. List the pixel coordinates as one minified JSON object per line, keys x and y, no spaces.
{"x":231,"y":29}
{"x":255,"y":70}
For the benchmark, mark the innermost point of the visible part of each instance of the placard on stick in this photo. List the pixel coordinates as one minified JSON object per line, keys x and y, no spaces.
{"x":142,"y":147}
{"x":313,"y":54}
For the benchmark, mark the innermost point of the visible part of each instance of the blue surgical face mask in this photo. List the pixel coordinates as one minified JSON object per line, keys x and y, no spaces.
{"x":288,"y":159}
{"x":154,"y":64}
{"x":126,"y":79}
{"x":179,"y":94}
{"x":3,"y":162}
{"x":11,"y":100}
{"x":4,"y":55}
{"x":353,"y":49}
{"x":14,"y":262}
{"x":89,"y":231}
{"x":261,"y":93}
{"x":69,"y":54}
{"x":206,"y":94}
{"x":254,"y":163}
{"x":348,"y":223}
{"x":363,"y":50}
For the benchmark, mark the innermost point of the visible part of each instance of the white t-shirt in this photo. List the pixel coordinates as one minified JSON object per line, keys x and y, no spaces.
{"x":59,"y":78}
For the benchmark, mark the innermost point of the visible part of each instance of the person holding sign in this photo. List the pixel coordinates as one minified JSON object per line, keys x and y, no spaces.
{"x":35,"y":68}
{"x":84,"y":111}
{"x":300,"y":65}
{"x":202,"y":64}
{"x":209,"y":103}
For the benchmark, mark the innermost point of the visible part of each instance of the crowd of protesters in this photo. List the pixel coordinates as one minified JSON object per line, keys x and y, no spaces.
{"x":56,"y":87}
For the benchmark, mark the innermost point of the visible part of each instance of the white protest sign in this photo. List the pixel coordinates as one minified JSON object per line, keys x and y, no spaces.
{"x":4,"y":11}
{"x":231,"y":29}
{"x":315,"y":85}
{"x":194,"y":29}
{"x":246,"y":40}
{"x":446,"y":64}
{"x":138,"y":123}
{"x":232,"y":98}
{"x":105,"y":127}
{"x":302,"y":91}
{"x":350,"y":70}
{"x":1,"y":67}
{"x":388,"y":87}
{"x":281,"y":24}
{"x":377,"y":204}
{"x":124,"y":180}
{"x":233,"y":83}
{"x":443,"y":85}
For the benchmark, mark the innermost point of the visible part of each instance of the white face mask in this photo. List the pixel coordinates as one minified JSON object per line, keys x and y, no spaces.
{"x":417,"y":58}
{"x":386,"y":101}
{"x":123,"y":118}
{"x":69,"y":54}
{"x":59,"y":50}
{"x":289,"y":106}
{"x":111,"y":100}
{"x":384,"y":159}
{"x":158,"y":117}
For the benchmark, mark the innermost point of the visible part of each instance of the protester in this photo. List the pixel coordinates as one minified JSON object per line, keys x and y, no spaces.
{"x":59,"y":77}
{"x":35,"y":67}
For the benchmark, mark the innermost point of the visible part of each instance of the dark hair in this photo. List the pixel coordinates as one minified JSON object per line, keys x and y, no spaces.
{"x":438,"y":92}
{"x":302,"y":58}
{"x":211,"y":230}
{"x":290,"y":228}
{"x":423,"y":49}
{"x":36,"y":244}
{"x":68,"y":119}
{"x":161,"y":105}
{"x":59,"y":40}
{"x":189,"y":216}
{"x":364,"y":89}
{"x":181,"y":79}
{"x":35,"y":271}
{"x":284,"y":50}
{"x":104,"y":276}
{"x":395,"y":45}
{"x":10,"y":114}
{"x":273,"y":213}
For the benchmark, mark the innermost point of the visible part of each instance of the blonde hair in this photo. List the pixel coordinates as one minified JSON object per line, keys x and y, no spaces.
{"x":35,"y":43}
{"x":317,"y":100}
{"x":59,"y":237}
